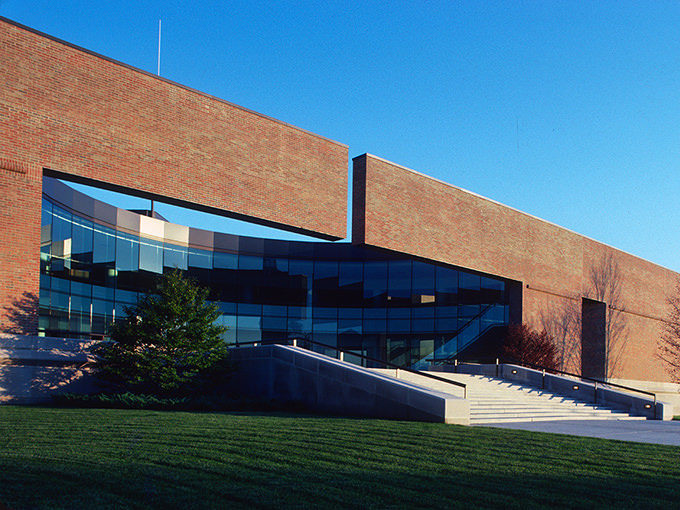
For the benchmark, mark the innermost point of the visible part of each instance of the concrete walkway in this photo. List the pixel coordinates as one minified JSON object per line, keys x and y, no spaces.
{"x":649,"y":431}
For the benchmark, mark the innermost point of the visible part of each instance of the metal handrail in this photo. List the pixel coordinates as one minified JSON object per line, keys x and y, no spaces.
{"x":453,"y":357}
{"x":464,"y":327}
{"x":591,"y":379}
{"x":361,"y":356}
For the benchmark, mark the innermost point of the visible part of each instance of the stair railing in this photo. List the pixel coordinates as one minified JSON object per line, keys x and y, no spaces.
{"x":458,"y":332}
{"x":582,"y":377}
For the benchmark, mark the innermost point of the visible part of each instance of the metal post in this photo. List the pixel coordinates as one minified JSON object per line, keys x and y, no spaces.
{"x":294,"y":342}
{"x":595,"y":399}
{"x":543,"y":380}
{"x":341,"y":356}
{"x":455,"y":365}
{"x":497,"y":368}
{"x":655,"y":406}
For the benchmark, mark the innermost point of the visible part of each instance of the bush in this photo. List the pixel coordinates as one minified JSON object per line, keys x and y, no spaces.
{"x":120,"y":401}
{"x":526,"y":346}
{"x":212,"y":402}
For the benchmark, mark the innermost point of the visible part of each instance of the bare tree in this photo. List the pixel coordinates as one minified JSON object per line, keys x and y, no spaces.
{"x":669,"y":342}
{"x":564,"y":322}
{"x":605,"y":283}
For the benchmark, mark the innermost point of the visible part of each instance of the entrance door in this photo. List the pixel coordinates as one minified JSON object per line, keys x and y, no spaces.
{"x":593,"y":339}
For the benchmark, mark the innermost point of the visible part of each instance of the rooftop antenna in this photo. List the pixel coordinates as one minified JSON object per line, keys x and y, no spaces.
{"x":159,"y":48}
{"x":158,"y":72}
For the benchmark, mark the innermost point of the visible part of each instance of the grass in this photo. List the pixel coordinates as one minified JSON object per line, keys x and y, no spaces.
{"x":106,"y":458}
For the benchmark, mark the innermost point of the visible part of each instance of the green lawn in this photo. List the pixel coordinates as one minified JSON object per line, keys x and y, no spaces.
{"x":97,"y":458}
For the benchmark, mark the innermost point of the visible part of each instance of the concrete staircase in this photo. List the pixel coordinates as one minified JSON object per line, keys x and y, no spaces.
{"x":498,"y":401}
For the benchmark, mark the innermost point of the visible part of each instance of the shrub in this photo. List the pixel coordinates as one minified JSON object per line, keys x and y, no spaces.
{"x":526,"y":346}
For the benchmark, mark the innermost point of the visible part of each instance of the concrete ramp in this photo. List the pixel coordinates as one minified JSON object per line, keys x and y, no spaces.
{"x":320,"y":383}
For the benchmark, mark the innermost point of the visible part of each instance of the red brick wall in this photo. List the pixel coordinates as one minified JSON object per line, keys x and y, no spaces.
{"x":412,"y":213}
{"x":20,"y":199}
{"x":70,"y":111}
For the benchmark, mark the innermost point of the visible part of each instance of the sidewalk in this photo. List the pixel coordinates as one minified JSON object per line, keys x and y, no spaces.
{"x":649,"y":431}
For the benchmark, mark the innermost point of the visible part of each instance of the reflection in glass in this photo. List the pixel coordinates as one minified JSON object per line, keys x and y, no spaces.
{"x":175,"y":256}
{"x":151,"y":256}
{"x":377,"y":303}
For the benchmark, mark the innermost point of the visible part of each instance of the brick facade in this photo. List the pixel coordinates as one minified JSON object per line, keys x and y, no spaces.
{"x":20,"y":201}
{"x":95,"y":120}
{"x":405,"y":211}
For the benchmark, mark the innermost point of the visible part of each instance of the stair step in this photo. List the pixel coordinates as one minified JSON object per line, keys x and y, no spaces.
{"x":542,"y":410}
{"x":498,"y":419}
{"x":494,"y":401}
{"x":539,"y":410}
{"x":498,"y":401}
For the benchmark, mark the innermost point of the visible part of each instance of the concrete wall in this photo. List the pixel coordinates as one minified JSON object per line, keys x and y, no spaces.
{"x":32,"y":368}
{"x":95,"y":120}
{"x":292,"y":375}
{"x":402,"y":210}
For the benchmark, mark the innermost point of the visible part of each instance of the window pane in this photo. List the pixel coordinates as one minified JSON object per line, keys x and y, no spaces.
{"x":301,"y":267}
{"x":127,"y":252}
{"x":200,"y":258}
{"x":349,"y":326}
{"x":247,"y":322}
{"x":151,"y":255}
{"x":82,"y":240}
{"x":228,"y":321}
{"x":423,"y":278}
{"x":422,"y":325}
{"x":175,"y":257}
{"x":446,"y":286}
{"x":375,"y":283}
{"x":61,"y":224}
{"x":104,"y":244}
{"x":350,"y":313}
{"x":274,"y":323}
{"x":249,"y":262}
{"x":225,"y":260}
{"x":299,"y":325}
{"x":350,"y":273}
{"x":399,"y":326}
{"x":399,"y":285}
{"x":249,"y":309}
{"x":274,"y":310}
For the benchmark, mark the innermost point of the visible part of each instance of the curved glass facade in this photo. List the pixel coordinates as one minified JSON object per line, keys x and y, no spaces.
{"x":95,"y":259}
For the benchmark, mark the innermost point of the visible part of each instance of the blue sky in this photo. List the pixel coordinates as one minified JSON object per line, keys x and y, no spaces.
{"x":569,"y":111}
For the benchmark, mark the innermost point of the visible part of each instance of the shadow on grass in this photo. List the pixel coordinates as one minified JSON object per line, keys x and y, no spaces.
{"x":171,"y":483}
{"x":81,"y":458}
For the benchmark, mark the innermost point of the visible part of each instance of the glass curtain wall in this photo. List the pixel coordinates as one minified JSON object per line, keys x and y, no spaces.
{"x":380,"y":304}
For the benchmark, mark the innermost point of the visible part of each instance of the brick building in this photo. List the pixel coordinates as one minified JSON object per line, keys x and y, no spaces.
{"x":455,"y":264}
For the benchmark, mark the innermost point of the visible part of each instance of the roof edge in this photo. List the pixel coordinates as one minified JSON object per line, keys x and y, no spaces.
{"x":166,"y":80}
{"x":491,"y":200}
